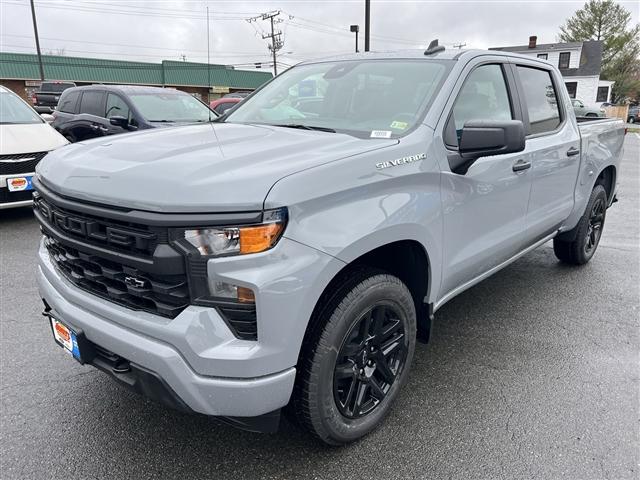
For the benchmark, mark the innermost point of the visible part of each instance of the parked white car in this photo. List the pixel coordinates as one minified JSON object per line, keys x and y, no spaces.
{"x":25,"y":138}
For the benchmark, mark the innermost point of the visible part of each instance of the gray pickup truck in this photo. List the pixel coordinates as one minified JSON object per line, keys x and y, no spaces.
{"x":278,"y":257}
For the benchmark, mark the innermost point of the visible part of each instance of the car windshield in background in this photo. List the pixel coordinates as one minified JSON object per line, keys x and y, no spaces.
{"x":171,"y":107}
{"x":14,"y":110}
{"x":366,"y":98}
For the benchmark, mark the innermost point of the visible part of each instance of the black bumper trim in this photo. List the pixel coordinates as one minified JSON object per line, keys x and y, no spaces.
{"x":151,"y":385}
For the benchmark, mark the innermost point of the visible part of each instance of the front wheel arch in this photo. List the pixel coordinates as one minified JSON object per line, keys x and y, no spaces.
{"x":406,"y":259}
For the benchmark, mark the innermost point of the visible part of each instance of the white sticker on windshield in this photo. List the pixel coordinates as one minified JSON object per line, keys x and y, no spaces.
{"x":381,"y":134}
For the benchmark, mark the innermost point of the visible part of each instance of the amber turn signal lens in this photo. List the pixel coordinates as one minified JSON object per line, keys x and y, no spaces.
{"x":246,"y":295}
{"x":260,"y":238}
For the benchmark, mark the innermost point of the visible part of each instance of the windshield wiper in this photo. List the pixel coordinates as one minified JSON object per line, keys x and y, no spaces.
{"x":305,"y":127}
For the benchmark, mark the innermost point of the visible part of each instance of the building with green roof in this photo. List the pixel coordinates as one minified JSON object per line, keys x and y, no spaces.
{"x":20,"y":73}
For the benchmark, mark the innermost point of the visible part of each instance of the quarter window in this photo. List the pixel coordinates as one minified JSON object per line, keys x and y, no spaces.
{"x":484,"y":96}
{"x":69,"y":102}
{"x":542,"y":99}
{"x":564,"y":60}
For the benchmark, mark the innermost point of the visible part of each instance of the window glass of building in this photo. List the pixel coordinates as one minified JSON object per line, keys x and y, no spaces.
{"x":564,"y":60}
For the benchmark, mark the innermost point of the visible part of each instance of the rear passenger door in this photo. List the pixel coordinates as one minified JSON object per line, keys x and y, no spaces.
{"x":91,"y":122}
{"x":553,"y":148}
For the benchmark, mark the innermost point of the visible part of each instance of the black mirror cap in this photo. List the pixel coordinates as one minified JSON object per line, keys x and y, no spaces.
{"x":484,"y":138}
{"x":119,"y":121}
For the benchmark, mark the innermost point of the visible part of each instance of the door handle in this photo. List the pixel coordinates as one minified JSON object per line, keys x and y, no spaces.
{"x":521,"y":165}
{"x":573,"y":151}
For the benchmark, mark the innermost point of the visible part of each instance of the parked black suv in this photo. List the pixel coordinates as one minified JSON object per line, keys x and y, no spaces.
{"x":98,"y":110}
{"x":634,"y":115}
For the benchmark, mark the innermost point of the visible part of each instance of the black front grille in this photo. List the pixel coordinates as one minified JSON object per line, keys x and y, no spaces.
{"x":20,"y":163}
{"x":118,"y":236}
{"x":130,"y":260}
{"x":166,"y":295}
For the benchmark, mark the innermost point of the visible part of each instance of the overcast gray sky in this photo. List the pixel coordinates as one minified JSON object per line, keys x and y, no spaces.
{"x":152,"y":30}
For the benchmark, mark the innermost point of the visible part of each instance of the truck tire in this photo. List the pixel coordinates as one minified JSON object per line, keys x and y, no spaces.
{"x":587,"y":233}
{"x":356,"y":357}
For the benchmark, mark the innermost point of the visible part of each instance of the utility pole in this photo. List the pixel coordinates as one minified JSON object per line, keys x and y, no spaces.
{"x":208,"y":60}
{"x":367,"y":22}
{"x":35,"y":30}
{"x":355,"y":29}
{"x":460,"y":45}
{"x":276,"y":36}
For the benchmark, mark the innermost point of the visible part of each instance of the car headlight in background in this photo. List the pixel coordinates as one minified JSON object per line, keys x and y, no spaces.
{"x":239,"y":240}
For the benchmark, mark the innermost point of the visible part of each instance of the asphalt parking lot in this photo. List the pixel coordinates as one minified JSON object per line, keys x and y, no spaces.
{"x":531,"y":374}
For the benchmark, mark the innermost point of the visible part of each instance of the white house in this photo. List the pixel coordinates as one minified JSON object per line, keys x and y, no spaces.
{"x":579,"y":63}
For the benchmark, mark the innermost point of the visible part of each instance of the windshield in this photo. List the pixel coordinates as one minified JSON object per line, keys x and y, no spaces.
{"x":171,"y":107}
{"x":368,"y":98}
{"x":14,"y":110}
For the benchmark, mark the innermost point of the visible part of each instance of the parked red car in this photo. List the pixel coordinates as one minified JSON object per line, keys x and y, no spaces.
{"x":221,"y":105}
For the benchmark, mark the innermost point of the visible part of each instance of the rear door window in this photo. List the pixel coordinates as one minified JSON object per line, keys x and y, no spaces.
{"x":69,"y":102}
{"x":542,"y":99}
{"x":92,"y":103}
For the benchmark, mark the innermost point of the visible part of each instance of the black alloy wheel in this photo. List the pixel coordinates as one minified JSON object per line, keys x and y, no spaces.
{"x":577,"y":246}
{"x":356,"y":355}
{"x":370,"y":359}
{"x":594,"y":227}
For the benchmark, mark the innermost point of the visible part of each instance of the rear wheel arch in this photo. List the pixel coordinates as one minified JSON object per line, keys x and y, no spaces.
{"x":607,"y":178}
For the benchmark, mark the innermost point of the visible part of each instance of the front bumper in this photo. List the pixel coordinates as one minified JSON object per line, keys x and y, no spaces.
{"x":195,"y":354}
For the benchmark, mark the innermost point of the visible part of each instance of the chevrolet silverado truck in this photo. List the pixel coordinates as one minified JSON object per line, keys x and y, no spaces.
{"x":276,"y":260}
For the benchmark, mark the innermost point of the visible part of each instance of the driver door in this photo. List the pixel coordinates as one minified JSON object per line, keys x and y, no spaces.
{"x":485,"y":208}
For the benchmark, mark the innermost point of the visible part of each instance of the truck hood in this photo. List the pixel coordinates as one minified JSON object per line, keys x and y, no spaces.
{"x":200,"y":168}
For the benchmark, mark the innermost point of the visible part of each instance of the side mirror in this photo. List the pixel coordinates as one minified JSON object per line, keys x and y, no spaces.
{"x":483,"y":138}
{"x":119,"y":121}
{"x":47,"y":117}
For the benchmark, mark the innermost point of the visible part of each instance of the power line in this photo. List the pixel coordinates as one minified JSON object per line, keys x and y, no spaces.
{"x":226,"y":53}
{"x":120,"y":11}
{"x":275,"y":36}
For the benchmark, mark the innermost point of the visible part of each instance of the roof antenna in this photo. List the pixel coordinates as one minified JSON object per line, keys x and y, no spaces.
{"x":434,"y":48}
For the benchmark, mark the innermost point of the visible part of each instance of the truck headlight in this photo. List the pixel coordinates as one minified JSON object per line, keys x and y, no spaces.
{"x":235,"y":303}
{"x":216,"y":241}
